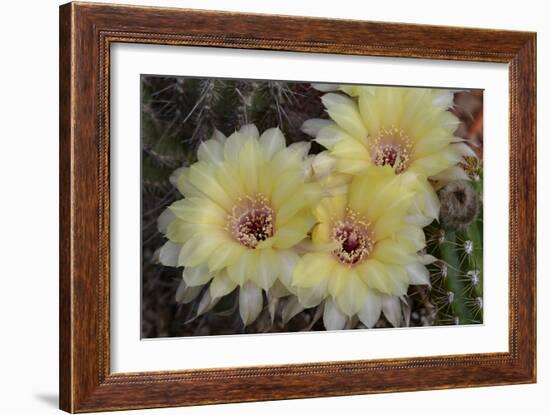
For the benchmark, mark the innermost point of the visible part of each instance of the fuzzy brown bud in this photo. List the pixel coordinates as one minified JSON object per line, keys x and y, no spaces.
{"x":459,"y":204}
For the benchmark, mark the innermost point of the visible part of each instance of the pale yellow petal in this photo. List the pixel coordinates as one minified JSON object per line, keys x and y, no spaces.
{"x":250,"y":160}
{"x":388,"y":224}
{"x":352,"y":295}
{"x":198,"y":249}
{"x":225,"y":255}
{"x":321,"y":234}
{"x":228,"y":177}
{"x":346,"y":114}
{"x":431,"y":165}
{"x":202,"y":176}
{"x":221,"y":285}
{"x":237,"y":269}
{"x":295,"y":203}
{"x":210,"y":151}
{"x":294,"y":230}
{"x":337,"y":278}
{"x":330,"y":135}
{"x":272,"y":141}
{"x":232,"y":147}
{"x":390,"y":252}
{"x":313,"y":269}
{"x":376,"y":275}
{"x":196,"y":210}
{"x":196,"y":276}
{"x":351,"y":150}
{"x":250,"y":130}
{"x":370,"y":312}
{"x":285,"y":185}
{"x":180,"y":232}
{"x":268,"y":269}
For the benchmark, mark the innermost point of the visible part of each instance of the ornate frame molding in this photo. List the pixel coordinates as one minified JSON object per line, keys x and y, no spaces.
{"x":86,"y":34}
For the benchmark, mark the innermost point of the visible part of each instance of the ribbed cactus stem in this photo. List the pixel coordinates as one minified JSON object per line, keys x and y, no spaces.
{"x":474,"y":233}
{"x":455,"y":286}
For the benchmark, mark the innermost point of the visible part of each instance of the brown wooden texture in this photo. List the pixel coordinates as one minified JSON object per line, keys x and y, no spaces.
{"x":86,"y":33}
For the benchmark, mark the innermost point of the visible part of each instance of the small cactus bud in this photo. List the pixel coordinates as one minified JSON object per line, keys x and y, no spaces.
{"x":459,"y":204}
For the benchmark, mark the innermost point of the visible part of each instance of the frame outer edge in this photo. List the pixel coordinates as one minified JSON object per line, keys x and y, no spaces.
{"x":528,"y":99}
{"x":66,"y":120}
{"x":82,"y":386}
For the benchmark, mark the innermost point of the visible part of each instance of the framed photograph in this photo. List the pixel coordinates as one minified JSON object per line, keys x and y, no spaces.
{"x":260,"y":207}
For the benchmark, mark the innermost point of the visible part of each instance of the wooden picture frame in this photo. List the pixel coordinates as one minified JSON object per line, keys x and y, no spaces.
{"x":86,"y":33}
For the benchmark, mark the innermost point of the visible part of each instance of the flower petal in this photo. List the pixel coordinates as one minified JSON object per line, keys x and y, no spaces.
{"x":218,"y":136}
{"x":294,"y":231}
{"x":370,"y":313}
{"x":325,"y":87}
{"x":330,"y":135}
{"x":196,"y":276}
{"x":225,"y":255}
{"x":268,"y":269}
{"x":391,"y":307}
{"x":312,"y":296}
{"x":173,"y":179}
{"x":313,"y":269}
{"x":202,"y":176}
{"x":186,"y":294}
{"x":352,"y":295}
{"x":278,"y":290}
{"x":291,"y":308}
{"x":391,"y":252}
{"x":169,"y":253}
{"x":376,"y":275}
{"x":221,"y":285}
{"x":232,"y":147}
{"x":196,"y":210}
{"x":249,"y":130}
{"x":272,"y":141}
{"x":291,"y":157}
{"x":418,"y":274}
{"x":237,"y":269}
{"x":164,"y":219}
{"x":198,"y":249}
{"x":345,"y":112}
{"x":250,"y":302}
{"x":288,"y":260}
{"x":426,"y":259}
{"x":322,"y":165}
{"x":210,"y":151}
{"x":250,"y":160}
{"x":313,"y":126}
{"x":207,"y":303}
{"x":333,"y":318}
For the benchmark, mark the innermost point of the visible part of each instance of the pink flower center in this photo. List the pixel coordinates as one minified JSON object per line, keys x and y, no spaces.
{"x":251,"y":221}
{"x":355,"y":239}
{"x":391,"y":147}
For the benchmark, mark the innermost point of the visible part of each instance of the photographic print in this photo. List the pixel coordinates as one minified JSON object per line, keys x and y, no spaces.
{"x":279,"y":206}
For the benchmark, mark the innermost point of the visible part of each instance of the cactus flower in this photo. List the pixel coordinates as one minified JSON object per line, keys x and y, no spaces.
{"x":364,"y":253}
{"x":247,"y":203}
{"x":408,"y":129}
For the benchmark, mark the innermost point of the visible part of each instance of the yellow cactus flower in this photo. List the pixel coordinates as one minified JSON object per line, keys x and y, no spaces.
{"x":247,"y":203}
{"x":364,"y":252}
{"x":409,"y":129}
